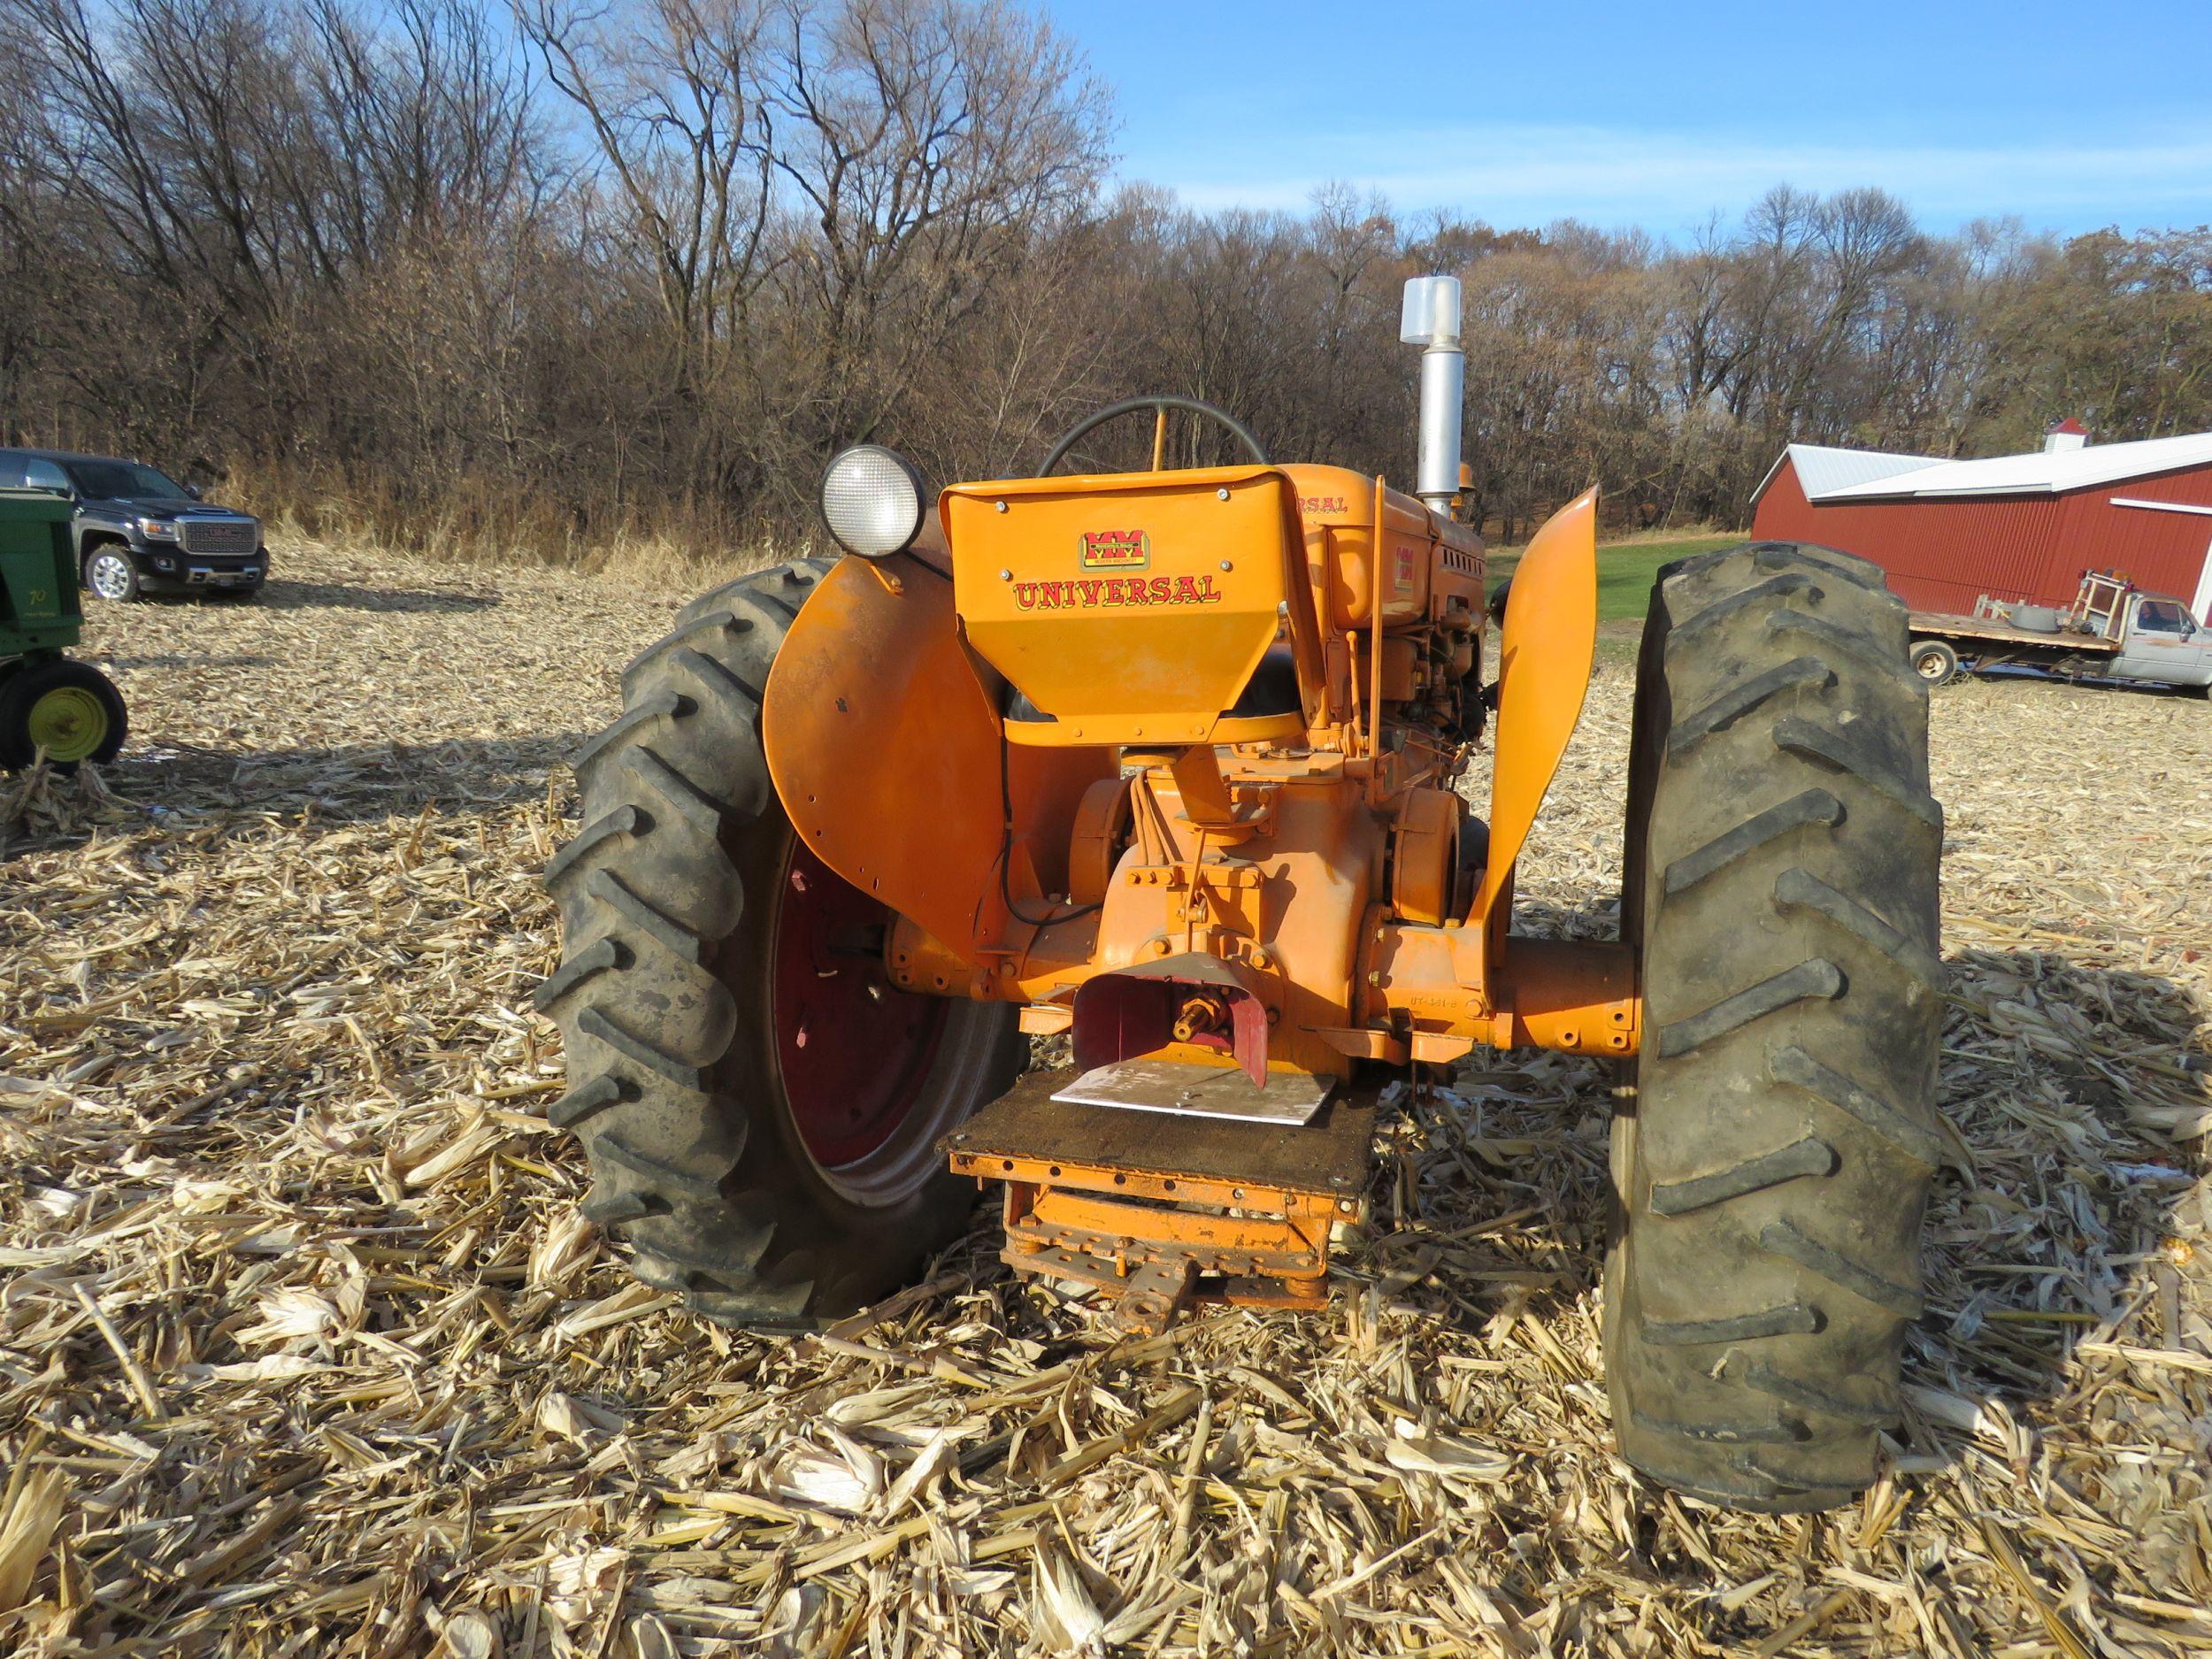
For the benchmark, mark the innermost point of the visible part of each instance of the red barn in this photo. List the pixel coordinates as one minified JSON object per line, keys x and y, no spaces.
{"x":2014,"y":527}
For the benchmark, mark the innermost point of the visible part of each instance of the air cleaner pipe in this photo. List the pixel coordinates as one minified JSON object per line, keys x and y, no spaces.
{"x":1430,"y":319}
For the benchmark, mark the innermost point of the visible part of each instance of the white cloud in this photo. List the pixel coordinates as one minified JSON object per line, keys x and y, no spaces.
{"x":1532,"y":174}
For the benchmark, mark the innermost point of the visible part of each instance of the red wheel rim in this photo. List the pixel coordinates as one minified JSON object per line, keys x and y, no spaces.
{"x":854,"y":1050}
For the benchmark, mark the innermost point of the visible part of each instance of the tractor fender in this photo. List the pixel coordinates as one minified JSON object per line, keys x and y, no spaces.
{"x":1545,"y":651}
{"x":884,"y":742}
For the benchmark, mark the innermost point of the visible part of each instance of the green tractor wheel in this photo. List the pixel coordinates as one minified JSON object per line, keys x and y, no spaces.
{"x":69,"y":711}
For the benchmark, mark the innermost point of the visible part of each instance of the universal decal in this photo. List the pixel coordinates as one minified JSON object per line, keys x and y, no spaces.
{"x":1099,"y":591}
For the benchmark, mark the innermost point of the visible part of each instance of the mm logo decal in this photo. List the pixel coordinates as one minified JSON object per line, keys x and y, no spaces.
{"x":1116,"y":551}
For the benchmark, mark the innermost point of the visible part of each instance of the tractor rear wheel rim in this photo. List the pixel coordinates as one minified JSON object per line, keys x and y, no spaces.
{"x":855,"y":1051}
{"x":110,"y":577}
{"x":68,"y":722}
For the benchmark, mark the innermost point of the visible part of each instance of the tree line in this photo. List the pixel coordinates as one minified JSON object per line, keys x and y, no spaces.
{"x":532,"y":275}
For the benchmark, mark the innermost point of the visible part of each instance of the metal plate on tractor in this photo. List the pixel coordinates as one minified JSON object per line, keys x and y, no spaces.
{"x":1199,"y":1091}
{"x":1328,"y":1155}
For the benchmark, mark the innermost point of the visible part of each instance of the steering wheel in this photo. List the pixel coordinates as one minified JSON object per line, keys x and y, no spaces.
{"x":1159,"y":404}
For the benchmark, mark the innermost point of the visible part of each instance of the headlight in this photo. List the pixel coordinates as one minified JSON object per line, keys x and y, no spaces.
{"x":871,"y":501}
{"x":158,"y":529}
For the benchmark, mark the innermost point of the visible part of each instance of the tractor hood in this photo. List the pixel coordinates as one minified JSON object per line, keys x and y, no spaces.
{"x":1128,"y":608}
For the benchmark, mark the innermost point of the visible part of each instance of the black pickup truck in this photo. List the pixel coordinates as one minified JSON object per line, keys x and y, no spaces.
{"x":138,"y":531}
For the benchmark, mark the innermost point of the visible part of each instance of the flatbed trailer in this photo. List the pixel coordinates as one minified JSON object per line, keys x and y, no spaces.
{"x":1995,"y":644}
{"x":2112,"y":630}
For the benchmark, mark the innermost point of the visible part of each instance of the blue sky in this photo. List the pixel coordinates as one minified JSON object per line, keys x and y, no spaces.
{"x":2069,"y":117}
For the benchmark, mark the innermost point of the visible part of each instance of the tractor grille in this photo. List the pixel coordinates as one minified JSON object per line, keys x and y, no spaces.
{"x":223,"y":537}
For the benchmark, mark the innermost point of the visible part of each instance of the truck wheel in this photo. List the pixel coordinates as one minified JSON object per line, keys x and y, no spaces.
{"x":69,"y":710}
{"x":1934,"y":661}
{"x":759,"y":1105}
{"x":109,"y":574}
{"x":1771,"y":1173}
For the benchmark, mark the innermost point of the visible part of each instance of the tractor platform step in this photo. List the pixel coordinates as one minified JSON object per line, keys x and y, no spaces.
{"x":1184,"y":1090}
{"x":1163,"y":1210}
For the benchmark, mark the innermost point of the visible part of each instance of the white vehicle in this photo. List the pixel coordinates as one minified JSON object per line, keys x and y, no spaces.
{"x":2112,"y":630}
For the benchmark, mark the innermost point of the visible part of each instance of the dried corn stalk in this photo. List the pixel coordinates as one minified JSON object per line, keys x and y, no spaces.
{"x":304,"y":1346}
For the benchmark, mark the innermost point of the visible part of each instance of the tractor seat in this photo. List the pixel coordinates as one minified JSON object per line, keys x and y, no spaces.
{"x":1272,"y":690}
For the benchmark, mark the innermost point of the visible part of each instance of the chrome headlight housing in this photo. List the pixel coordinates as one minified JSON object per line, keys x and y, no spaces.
{"x":158,"y":529}
{"x":872,"y":501}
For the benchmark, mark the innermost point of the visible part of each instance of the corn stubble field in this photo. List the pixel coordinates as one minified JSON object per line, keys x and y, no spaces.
{"x":304,"y":1347}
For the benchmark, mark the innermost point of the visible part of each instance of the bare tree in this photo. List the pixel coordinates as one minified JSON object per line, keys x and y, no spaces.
{"x":586,"y":266}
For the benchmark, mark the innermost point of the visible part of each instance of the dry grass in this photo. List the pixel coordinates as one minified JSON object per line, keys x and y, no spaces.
{"x":492,"y":523}
{"x":304,"y":1347}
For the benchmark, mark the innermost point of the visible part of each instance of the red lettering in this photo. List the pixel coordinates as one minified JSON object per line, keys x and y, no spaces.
{"x":1117,"y":590}
{"x":1093,"y":592}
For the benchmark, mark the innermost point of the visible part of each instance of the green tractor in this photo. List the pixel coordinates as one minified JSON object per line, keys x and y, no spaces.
{"x":67,"y":711}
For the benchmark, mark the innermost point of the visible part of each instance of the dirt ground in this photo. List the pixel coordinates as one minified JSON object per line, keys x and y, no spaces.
{"x":304,"y":1349}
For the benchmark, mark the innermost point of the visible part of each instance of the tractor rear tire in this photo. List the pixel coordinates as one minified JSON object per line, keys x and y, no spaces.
{"x":759,"y":1105}
{"x":1772,"y":1169}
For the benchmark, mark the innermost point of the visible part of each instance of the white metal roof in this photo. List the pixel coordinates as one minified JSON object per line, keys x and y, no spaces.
{"x":1822,"y":470}
{"x":2038,"y":474}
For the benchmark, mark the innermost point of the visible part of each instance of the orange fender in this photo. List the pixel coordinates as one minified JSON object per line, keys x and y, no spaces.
{"x":886,"y":750}
{"x":1545,"y":653}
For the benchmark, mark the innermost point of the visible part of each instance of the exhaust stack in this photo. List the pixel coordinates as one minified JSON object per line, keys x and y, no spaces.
{"x":1431,"y":320}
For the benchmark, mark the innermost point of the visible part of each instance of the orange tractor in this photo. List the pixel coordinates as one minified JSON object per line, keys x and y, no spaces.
{"x":1165,"y":761}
